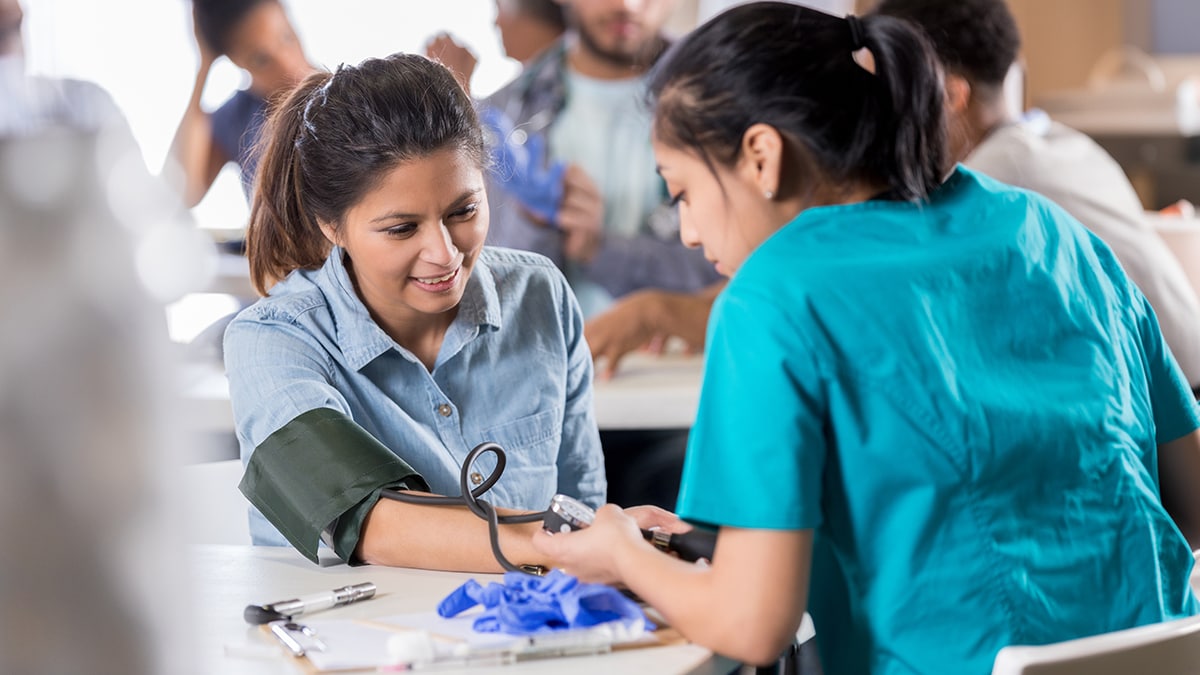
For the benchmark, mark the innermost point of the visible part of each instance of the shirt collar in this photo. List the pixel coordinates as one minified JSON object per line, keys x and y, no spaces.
{"x":362,"y":340}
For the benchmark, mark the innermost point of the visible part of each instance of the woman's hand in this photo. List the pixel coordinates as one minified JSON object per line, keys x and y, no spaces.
{"x":581,"y":216}
{"x":652,"y":517}
{"x":594,"y":553}
{"x":630,"y":324}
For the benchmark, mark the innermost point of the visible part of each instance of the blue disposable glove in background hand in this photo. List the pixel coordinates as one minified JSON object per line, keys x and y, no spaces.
{"x":519,"y":165}
{"x":526,"y":604}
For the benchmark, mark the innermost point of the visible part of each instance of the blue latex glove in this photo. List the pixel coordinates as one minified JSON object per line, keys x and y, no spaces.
{"x":521,"y":167}
{"x":526,"y":604}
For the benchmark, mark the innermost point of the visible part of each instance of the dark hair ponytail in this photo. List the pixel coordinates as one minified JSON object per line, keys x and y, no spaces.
{"x":282,"y":235}
{"x":330,"y":141}
{"x":794,"y":68}
{"x":909,"y":135}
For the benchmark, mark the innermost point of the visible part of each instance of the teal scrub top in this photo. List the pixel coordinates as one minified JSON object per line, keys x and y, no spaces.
{"x":963,"y":397}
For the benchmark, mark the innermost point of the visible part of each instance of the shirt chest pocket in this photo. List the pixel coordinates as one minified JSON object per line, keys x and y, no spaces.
{"x":531,"y":441}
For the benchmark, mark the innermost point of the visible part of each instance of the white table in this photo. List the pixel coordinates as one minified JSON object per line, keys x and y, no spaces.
{"x":227,"y":578}
{"x":648,"y":392}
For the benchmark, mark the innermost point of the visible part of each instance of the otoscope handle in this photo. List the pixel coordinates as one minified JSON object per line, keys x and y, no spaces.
{"x":690,"y":546}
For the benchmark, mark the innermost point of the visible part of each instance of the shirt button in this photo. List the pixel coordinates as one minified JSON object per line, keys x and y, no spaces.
{"x":476,"y":478}
{"x":445,"y":410}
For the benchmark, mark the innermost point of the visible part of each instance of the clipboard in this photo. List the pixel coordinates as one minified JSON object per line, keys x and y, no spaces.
{"x":352,"y":645}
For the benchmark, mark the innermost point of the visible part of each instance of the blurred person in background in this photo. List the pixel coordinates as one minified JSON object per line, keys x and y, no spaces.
{"x":28,"y":103}
{"x":258,"y":37}
{"x":528,"y":27}
{"x":611,"y":229}
{"x":87,"y":445}
{"x":587,"y":195}
{"x":175,"y":257}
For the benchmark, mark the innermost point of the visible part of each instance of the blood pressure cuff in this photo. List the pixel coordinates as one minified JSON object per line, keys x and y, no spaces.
{"x":318,"y":476}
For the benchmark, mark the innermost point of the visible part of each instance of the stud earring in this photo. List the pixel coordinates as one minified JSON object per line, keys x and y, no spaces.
{"x":768,"y":194}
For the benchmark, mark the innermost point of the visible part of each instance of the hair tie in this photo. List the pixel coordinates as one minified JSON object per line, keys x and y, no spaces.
{"x":859,"y":51}
{"x":858,"y":36}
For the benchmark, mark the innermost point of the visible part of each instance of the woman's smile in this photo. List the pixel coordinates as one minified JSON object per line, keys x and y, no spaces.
{"x":438,"y":284}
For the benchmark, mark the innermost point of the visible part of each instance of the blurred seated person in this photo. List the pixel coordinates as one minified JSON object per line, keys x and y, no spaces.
{"x":32,"y":103}
{"x":257,"y":36}
{"x":611,"y":227}
{"x":584,"y":191}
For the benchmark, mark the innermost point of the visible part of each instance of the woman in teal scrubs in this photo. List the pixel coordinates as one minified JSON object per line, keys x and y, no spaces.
{"x":935,"y":412}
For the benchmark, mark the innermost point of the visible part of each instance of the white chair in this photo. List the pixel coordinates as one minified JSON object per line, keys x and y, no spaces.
{"x":215,"y":510}
{"x":1170,"y":648}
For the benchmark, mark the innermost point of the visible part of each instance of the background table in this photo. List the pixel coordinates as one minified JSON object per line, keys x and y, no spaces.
{"x":228,"y":578}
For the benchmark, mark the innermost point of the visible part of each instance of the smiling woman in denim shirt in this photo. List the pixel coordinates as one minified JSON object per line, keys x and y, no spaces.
{"x":391,"y":341}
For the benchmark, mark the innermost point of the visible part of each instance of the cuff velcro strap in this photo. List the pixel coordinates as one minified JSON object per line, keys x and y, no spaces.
{"x":314,"y":469}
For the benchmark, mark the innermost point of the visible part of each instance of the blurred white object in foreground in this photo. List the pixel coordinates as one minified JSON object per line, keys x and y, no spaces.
{"x":92,"y":579}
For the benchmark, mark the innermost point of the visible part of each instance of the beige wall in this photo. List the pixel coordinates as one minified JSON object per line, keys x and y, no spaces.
{"x":1062,"y":39}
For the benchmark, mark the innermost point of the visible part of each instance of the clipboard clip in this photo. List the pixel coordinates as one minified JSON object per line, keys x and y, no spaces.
{"x":297,"y":638}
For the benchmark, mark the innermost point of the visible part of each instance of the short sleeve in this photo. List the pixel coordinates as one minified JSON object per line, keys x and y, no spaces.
{"x":757,"y":450}
{"x":310,"y":469}
{"x":276,"y":372}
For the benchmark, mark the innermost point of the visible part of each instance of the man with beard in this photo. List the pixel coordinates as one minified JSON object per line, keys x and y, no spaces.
{"x":609,"y":225}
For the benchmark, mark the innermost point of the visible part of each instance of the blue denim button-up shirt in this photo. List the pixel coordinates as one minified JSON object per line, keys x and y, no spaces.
{"x":513,"y":368}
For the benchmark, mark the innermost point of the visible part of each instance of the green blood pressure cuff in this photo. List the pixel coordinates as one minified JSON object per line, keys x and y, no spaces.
{"x":320,"y":474}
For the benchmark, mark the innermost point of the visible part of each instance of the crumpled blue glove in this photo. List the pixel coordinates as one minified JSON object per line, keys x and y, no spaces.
{"x":519,"y":165}
{"x":526,"y":604}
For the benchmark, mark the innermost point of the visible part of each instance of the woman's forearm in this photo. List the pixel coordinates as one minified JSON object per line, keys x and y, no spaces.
{"x":192,"y":146}
{"x":747,"y":605}
{"x":400,"y":534}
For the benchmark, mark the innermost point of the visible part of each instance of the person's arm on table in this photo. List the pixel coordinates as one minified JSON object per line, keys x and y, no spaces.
{"x":750,"y":617}
{"x":317,"y":475}
{"x":647,"y":319}
{"x":451,"y":538}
